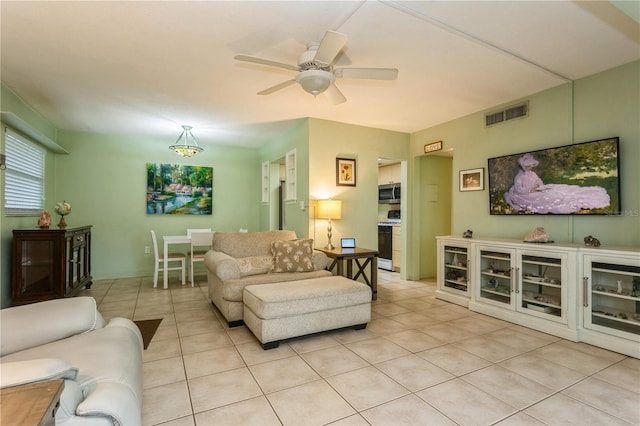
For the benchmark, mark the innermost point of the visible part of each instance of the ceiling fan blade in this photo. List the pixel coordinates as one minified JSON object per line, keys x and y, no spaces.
{"x":367,"y":73}
{"x":261,"y":61}
{"x":331,"y":44}
{"x":335,"y":95}
{"x":277,"y":87}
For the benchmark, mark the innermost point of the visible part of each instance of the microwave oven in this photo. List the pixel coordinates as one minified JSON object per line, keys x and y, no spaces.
{"x":389,"y":194}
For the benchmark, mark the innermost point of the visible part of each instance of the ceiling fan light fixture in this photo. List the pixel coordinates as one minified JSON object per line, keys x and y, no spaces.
{"x":315,"y":81}
{"x":186,"y":145}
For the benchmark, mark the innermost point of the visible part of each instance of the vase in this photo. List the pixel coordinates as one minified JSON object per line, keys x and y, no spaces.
{"x":62,"y":224}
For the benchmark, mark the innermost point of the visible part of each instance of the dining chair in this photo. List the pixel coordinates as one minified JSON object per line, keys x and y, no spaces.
{"x":201,"y":242}
{"x":192,"y":230}
{"x":172,"y":258}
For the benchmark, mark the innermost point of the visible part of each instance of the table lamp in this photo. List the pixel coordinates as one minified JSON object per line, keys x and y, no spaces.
{"x":329,"y":209}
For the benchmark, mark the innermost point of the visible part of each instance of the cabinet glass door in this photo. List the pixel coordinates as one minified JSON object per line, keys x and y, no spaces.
{"x":614,"y":291}
{"x":456,"y":263}
{"x":496,"y":276}
{"x":36,"y":267}
{"x":541,"y":280}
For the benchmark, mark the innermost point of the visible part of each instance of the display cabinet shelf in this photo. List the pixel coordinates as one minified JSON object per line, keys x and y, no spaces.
{"x":453,"y":271}
{"x":611,"y":299}
{"x":526,"y":285}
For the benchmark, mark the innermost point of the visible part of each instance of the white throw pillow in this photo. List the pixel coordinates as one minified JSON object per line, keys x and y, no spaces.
{"x":255,"y":265}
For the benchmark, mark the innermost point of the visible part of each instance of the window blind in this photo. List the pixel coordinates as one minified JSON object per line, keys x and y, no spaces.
{"x":24,"y":176}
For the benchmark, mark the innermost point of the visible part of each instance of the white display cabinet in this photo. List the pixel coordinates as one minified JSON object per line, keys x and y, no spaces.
{"x":454,"y":264}
{"x":580,"y":293}
{"x":527,"y":285}
{"x":610,"y":297}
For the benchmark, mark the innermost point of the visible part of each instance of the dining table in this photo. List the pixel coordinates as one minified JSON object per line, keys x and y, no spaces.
{"x":168,"y":240}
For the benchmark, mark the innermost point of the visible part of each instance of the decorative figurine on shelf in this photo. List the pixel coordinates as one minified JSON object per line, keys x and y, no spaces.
{"x":619,"y":286}
{"x":538,"y":235}
{"x":634,"y":286}
{"x":63,"y":208}
{"x":467,"y":234}
{"x":44,"y":222}
{"x":590,"y":241}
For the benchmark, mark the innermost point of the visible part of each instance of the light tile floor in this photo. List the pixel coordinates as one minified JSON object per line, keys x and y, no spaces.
{"x":420,"y":361}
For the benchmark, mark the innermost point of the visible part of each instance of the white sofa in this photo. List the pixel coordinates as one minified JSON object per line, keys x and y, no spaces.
{"x":239,"y":259}
{"x":68,"y":338}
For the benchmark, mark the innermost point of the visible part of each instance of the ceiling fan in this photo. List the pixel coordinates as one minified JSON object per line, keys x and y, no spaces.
{"x":316,"y":71}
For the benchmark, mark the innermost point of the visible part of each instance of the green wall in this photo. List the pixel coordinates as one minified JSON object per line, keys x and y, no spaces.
{"x":104,"y":179}
{"x":10,"y":102}
{"x":296,"y":138}
{"x":435,"y":209}
{"x":330,"y":140}
{"x":608,"y":104}
{"x":599,"y":106}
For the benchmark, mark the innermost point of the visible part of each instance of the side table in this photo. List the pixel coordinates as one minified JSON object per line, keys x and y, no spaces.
{"x":357,"y":254}
{"x":32,"y":404}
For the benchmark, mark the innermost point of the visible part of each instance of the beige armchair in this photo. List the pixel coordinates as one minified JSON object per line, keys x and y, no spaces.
{"x":239,"y":259}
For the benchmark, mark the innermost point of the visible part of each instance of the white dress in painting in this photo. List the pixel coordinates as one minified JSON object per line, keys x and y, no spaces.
{"x":529,"y":193}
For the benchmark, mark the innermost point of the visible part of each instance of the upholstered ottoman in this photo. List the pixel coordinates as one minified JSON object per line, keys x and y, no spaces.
{"x":274,"y":312}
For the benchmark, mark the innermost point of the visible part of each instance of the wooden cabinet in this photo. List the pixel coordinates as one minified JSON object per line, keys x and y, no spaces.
{"x":389,"y":174}
{"x":49,"y":263}
{"x":396,"y":245}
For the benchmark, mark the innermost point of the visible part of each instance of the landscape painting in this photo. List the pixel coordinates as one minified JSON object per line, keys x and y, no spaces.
{"x":179,"y":189}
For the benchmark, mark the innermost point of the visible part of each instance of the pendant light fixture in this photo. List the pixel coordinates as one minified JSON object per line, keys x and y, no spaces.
{"x":186,"y":145}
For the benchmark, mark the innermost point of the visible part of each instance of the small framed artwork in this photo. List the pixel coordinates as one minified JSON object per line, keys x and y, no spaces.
{"x":472,"y":180}
{"x":345,"y":172}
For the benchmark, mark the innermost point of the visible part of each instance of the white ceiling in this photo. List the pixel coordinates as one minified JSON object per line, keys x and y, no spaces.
{"x":147,"y":67}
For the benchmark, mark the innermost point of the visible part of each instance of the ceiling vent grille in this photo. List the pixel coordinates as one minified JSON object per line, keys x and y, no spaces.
{"x":516,"y":111}
{"x":494,"y":118}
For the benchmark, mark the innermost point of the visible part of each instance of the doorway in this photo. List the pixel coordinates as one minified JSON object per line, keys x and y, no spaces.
{"x":436,"y":190}
{"x":391,"y":232}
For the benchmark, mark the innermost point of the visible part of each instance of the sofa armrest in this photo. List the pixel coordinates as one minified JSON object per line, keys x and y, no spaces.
{"x":320,"y":260}
{"x":222,"y":265}
{"x":27,"y":326}
{"x":18,"y":373}
{"x":115,"y":400}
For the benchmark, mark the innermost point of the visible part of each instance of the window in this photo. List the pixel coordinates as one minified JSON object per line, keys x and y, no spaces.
{"x":24,"y":176}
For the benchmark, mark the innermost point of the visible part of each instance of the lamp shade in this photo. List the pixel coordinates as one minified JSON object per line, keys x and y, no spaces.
{"x":329,"y":209}
{"x":315,"y":81}
{"x":186,"y":145}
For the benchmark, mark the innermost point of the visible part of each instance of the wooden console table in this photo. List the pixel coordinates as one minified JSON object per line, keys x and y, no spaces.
{"x":32,"y":404}
{"x":357,"y":254}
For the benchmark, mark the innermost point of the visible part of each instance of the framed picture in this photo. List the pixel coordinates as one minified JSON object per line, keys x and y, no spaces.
{"x":472,"y":180}
{"x":179,"y":190}
{"x":345,"y":172}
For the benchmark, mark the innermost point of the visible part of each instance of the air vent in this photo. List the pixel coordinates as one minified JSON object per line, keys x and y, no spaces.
{"x":516,"y":111}
{"x":495,"y":118}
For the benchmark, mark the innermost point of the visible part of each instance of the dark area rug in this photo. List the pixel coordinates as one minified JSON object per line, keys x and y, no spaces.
{"x":148,"y":329}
